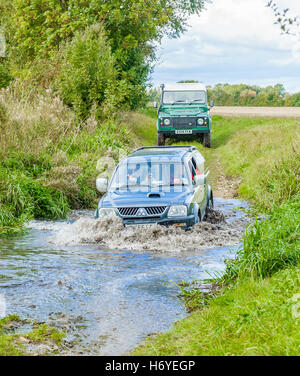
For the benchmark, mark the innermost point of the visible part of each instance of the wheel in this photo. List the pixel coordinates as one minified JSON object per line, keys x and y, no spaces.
{"x":209,"y":206}
{"x":207,"y":140}
{"x":160,"y":139}
{"x":200,"y":138}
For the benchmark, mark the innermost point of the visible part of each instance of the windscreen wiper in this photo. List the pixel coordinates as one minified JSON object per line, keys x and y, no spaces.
{"x":196,"y":100}
{"x":179,"y":101}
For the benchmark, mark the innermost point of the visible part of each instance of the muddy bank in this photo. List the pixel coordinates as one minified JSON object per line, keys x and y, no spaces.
{"x":216,"y":231}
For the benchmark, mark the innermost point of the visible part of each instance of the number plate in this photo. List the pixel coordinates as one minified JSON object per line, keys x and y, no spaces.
{"x":185,"y":131}
{"x":141,"y":225}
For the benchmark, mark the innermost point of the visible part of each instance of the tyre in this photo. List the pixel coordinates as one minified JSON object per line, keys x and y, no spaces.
{"x":207,"y":140}
{"x":160,"y":139}
{"x":200,"y":138}
{"x":209,"y":206}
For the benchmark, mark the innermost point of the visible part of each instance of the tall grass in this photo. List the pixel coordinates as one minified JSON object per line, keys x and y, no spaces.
{"x":269,"y":245}
{"x":47,"y":159}
{"x":267,"y":158}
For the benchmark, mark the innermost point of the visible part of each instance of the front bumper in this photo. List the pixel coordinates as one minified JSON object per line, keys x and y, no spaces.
{"x":187,"y":221}
{"x":172,"y":132}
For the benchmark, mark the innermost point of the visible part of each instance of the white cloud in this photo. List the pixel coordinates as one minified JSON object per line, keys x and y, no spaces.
{"x":233,"y":39}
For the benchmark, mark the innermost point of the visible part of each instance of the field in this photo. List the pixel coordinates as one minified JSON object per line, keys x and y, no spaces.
{"x":257,"y":112}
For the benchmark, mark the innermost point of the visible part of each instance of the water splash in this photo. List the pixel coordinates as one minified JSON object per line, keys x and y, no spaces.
{"x":111,"y":233}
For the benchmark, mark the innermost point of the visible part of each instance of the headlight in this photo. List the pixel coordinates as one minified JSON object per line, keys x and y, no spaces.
{"x":106,"y":212}
{"x":167,"y":122}
{"x":177,"y":211}
{"x":200,"y":121}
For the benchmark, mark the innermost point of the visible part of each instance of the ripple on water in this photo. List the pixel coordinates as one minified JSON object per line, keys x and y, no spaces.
{"x":122,"y":295}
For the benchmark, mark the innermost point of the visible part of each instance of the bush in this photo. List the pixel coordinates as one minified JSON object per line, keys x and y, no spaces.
{"x":22,"y":198}
{"x":88,"y":75}
{"x":5,"y":77}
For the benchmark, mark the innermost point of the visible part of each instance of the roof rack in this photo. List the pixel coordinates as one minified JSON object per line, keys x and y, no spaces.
{"x":189,"y":147}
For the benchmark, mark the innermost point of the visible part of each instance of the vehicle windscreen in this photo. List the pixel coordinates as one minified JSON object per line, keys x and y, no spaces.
{"x":173,"y":97}
{"x":147,"y":176}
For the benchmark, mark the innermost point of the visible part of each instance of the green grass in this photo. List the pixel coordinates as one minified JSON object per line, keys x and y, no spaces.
{"x":253,"y":318}
{"x":11,"y":343}
{"x":270,"y":245}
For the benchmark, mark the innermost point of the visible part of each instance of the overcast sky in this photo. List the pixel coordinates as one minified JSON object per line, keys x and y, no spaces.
{"x":233,"y":41}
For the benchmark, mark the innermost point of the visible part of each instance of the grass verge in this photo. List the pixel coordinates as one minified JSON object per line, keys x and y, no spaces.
{"x":13,"y":343}
{"x":256,"y":317}
{"x":257,"y":313}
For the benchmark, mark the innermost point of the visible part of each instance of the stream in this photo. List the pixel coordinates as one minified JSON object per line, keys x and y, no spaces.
{"x":104,"y":285}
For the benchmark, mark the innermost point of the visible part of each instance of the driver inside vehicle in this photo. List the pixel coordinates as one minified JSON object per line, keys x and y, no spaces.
{"x":133,"y":175}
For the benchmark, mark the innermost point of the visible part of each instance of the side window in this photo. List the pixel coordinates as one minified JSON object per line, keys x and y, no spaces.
{"x":199,"y":163}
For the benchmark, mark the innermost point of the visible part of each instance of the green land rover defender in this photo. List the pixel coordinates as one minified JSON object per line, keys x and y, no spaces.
{"x":184,"y":111}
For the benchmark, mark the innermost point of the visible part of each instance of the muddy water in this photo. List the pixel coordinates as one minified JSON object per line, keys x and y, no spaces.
{"x":106,"y":286}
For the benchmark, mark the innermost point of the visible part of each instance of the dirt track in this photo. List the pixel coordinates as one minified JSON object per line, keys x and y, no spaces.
{"x":262,"y":112}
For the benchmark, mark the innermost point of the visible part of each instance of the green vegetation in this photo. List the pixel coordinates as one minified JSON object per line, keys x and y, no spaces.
{"x":243,"y":95}
{"x":251,"y":310}
{"x":270,"y":245}
{"x":37,"y":30}
{"x":253,"y":318}
{"x":48,"y":161}
{"x":88,"y":75}
{"x":263,"y":153}
{"x":14,"y":344}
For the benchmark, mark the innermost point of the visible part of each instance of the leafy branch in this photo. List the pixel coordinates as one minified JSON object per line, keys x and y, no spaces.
{"x":289,"y":24}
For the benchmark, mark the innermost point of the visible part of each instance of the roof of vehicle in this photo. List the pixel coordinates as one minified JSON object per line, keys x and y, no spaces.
{"x":174,"y":153}
{"x":184,"y":87}
{"x":162,"y":150}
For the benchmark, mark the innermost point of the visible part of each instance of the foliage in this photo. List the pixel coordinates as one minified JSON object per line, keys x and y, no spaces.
{"x":12,"y":342}
{"x":47,"y":162}
{"x":36,"y":29}
{"x":5,"y":77}
{"x":248,"y":95}
{"x":288,"y":24}
{"x":265,"y":157}
{"x":88,"y":76}
{"x":269,"y":245}
{"x":242,"y":95}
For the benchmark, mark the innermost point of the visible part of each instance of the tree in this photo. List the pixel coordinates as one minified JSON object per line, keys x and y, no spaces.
{"x":288,"y":24}
{"x":36,"y":29}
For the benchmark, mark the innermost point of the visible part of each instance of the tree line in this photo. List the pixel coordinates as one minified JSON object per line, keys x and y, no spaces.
{"x":243,"y":95}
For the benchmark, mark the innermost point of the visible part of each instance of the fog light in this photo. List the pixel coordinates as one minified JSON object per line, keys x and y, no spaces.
{"x":107,"y":212}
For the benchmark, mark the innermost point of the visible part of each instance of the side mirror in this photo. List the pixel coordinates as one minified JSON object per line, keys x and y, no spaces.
{"x":154,"y":104}
{"x":200,"y":179}
{"x":212,"y":103}
{"x":101,"y":184}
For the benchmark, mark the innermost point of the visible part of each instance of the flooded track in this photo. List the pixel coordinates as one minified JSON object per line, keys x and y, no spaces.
{"x":106,"y":286}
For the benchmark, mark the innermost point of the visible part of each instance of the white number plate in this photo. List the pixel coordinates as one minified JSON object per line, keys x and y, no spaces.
{"x":142,"y":225}
{"x":185,"y":131}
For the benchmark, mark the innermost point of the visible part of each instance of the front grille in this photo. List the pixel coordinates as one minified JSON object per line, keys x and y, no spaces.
{"x":151,"y":211}
{"x":155,"y":210}
{"x":184,"y":122}
{"x":128,"y":211}
{"x":148,"y":219}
